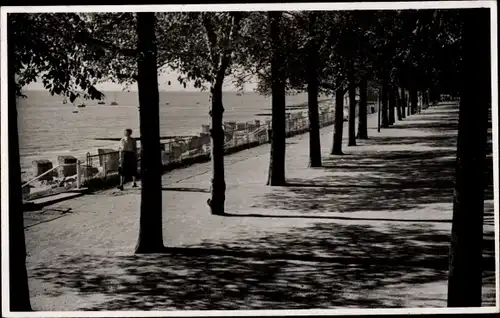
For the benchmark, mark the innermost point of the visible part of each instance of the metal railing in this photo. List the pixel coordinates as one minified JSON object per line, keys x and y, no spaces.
{"x":234,"y":136}
{"x":182,"y":148}
{"x":101,"y":164}
{"x":100,"y":160}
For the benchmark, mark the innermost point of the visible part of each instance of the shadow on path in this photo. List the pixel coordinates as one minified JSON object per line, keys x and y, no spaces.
{"x":319,"y":217}
{"x":185,"y":189}
{"x":377,"y":181}
{"x":420,"y":173}
{"x":320,"y":266}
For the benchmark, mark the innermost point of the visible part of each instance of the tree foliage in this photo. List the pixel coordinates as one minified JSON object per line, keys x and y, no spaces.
{"x":86,"y":48}
{"x":201,"y":58}
{"x":46,"y":48}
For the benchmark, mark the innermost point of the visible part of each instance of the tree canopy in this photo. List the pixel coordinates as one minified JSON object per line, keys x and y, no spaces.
{"x":86,"y":48}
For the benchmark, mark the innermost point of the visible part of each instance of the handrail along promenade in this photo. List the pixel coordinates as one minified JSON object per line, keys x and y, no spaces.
{"x":181,"y":151}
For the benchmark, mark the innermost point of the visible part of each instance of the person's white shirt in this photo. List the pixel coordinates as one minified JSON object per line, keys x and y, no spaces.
{"x":128,"y":144}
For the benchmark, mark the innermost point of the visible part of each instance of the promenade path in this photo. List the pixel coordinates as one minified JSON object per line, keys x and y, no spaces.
{"x":369,"y":229}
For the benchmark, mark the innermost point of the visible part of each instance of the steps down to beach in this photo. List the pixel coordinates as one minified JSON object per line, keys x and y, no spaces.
{"x":44,"y":201}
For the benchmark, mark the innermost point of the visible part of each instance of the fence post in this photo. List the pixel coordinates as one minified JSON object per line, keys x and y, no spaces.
{"x":89,"y":164}
{"x":78,"y":174}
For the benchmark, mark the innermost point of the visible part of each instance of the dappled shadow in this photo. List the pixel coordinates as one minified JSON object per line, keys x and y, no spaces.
{"x":446,"y":140}
{"x":431,"y":126}
{"x":346,"y":218}
{"x":404,"y":173}
{"x":381,"y":181}
{"x":185,"y":189}
{"x":321,"y":266}
{"x":435,"y":117}
{"x":489,"y":213}
{"x":310,"y":265}
{"x":442,"y":118}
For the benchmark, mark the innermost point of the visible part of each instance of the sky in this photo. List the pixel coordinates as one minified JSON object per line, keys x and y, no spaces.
{"x":163,"y":79}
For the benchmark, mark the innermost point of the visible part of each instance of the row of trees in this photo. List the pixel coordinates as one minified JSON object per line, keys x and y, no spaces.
{"x":401,"y":53}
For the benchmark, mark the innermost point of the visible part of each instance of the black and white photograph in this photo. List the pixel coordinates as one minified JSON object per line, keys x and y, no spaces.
{"x":336,"y":158}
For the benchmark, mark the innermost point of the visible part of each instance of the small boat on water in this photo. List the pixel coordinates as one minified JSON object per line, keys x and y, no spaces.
{"x":75,"y":111}
{"x":81,"y":105}
{"x":65,"y":101}
{"x":101,"y":102}
{"x":197,"y":103}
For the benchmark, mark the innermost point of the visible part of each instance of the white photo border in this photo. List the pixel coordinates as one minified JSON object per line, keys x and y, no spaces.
{"x":492,"y":5}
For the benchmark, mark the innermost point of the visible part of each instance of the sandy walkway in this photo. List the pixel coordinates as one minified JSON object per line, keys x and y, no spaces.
{"x":369,"y":229}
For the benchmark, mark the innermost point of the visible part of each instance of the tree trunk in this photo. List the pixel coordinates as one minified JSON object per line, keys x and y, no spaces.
{"x":413,"y":101}
{"x":150,"y":224}
{"x":419,"y":101}
{"x":18,"y":277}
{"x":379,"y":108}
{"x":218,"y":185}
{"x":339,"y":122}
{"x":385,"y":104}
{"x":278,"y":127}
{"x":465,"y":272}
{"x":392,"y":105}
{"x":398,"y":104}
{"x":403,"y":103}
{"x":407,"y":103}
{"x":363,"y":110}
{"x":312,"y":97}
{"x":352,"y":112}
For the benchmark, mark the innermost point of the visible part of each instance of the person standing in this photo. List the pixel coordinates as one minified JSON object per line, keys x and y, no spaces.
{"x":128,"y":158}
